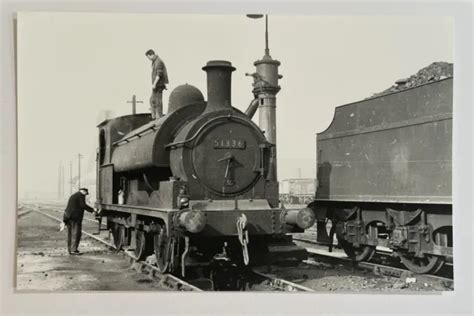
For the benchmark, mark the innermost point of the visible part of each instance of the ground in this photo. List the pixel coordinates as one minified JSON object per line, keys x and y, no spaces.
{"x":43,"y":263}
{"x":325,"y":277}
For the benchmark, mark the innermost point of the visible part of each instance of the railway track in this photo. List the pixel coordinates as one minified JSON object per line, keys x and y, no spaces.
{"x":168,"y":280}
{"x":316,"y":256}
{"x":273,"y":282}
{"x":283,"y":285}
{"x":263,"y":279}
{"x":23,"y":213}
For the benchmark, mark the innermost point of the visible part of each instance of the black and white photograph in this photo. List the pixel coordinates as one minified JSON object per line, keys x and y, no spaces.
{"x":291,"y":154}
{"x":226,"y":153}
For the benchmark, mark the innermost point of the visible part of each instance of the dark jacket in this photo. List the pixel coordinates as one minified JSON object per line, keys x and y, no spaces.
{"x":75,"y":207}
{"x":158,"y":68}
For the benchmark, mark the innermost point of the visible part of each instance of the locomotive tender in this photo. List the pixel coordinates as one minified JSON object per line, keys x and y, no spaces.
{"x":384,"y":176}
{"x":196,"y":185}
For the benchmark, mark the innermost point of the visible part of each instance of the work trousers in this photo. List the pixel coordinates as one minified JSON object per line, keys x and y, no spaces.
{"x":74,"y":232}
{"x":156,"y":103}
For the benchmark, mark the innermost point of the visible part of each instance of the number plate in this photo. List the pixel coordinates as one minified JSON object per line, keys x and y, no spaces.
{"x":229,"y":144}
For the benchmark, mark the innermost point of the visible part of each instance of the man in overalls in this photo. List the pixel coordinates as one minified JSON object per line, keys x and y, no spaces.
{"x":73,"y":216}
{"x":159,"y":79}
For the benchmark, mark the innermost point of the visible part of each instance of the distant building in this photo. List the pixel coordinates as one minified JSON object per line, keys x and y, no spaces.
{"x":297,"y":190}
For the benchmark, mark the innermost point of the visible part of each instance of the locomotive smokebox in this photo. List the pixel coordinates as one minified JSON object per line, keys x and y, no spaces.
{"x":219,"y":77}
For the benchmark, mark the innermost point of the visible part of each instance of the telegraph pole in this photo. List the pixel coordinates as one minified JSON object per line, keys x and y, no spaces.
{"x":134,"y":104}
{"x":59,"y":181}
{"x":79,"y":156}
{"x":63,"y":180}
{"x":70,"y":177}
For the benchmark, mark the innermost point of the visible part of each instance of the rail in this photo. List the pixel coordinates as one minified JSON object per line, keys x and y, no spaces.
{"x":283,"y":285}
{"x":376,"y":268}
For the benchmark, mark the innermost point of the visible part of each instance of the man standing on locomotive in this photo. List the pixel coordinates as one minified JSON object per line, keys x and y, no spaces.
{"x":159,"y":79}
{"x":73,"y":215}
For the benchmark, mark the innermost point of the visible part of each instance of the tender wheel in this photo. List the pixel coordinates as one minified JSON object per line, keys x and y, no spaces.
{"x":427,"y":264}
{"x":118,"y":233}
{"x":143,"y":245}
{"x":358,"y":254}
{"x":161,"y":245}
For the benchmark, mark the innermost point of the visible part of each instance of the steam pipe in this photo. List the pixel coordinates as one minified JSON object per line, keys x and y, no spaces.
{"x":253,"y":107}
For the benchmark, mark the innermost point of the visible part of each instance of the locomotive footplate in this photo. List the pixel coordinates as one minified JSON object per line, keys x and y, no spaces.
{"x":224,"y":222}
{"x":223,"y":217}
{"x":192,"y":236}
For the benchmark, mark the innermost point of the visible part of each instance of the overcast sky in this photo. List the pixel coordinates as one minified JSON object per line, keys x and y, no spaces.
{"x":74,"y":66}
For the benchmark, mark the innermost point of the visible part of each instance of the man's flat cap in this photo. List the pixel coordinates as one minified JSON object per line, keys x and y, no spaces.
{"x":84,"y":189}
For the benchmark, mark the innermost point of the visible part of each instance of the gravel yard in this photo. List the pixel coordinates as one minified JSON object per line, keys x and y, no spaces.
{"x":325,"y":277}
{"x":43,"y":263}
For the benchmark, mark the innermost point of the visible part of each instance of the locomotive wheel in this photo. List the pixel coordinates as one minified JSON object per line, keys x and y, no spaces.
{"x":118,"y":233}
{"x":358,"y":254}
{"x":427,"y":264}
{"x":161,"y":245}
{"x":143,"y":245}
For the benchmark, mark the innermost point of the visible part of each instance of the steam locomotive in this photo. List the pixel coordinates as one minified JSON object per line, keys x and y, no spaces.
{"x":384,"y":176}
{"x":197,"y":185}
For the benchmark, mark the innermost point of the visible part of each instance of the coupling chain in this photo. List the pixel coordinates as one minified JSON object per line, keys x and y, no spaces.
{"x":243,"y":235}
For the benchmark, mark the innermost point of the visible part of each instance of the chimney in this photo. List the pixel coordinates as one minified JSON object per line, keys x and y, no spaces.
{"x":219,"y":75}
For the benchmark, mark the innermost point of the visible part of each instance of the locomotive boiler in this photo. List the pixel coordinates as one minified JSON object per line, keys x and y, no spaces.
{"x":197,"y":185}
{"x":384,"y":176}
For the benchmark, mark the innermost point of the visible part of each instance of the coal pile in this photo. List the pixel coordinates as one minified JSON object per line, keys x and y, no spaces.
{"x":434,"y":72}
